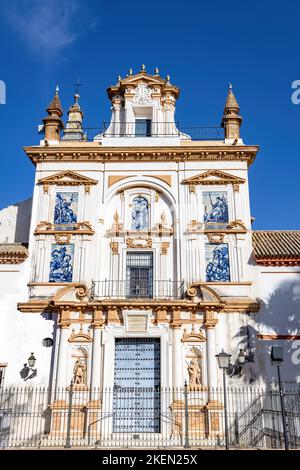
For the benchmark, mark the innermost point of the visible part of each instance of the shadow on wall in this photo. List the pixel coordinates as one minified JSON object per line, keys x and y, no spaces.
{"x":280,"y":314}
{"x":23,"y":221}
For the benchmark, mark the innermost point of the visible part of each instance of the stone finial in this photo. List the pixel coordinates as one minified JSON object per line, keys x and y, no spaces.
{"x":156,"y":71}
{"x":231,"y":120}
{"x":119,"y":78}
{"x":73,"y":130}
{"x":53,"y":123}
{"x":130,"y":71}
{"x":143,"y":68}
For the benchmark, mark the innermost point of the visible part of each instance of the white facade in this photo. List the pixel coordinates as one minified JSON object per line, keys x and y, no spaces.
{"x":192,"y":317}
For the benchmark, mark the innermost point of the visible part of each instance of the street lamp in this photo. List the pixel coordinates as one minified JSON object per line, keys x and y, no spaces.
{"x":31,"y":363}
{"x":31,"y":360}
{"x":277,"y":360}
{"x":242,"y":357}
{"x":224,"y":363}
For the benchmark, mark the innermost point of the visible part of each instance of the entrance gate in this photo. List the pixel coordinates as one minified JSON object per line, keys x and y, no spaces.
{"x":136,"y":385}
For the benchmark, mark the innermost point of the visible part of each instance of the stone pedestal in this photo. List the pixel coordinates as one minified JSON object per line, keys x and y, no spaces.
{"x":85,"y":420}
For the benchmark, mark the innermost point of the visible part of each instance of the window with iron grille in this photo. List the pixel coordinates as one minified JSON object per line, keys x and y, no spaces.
{"x":139,"y":274}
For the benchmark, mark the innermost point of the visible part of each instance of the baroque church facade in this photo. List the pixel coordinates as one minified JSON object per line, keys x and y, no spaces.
{"x":141,"y":264}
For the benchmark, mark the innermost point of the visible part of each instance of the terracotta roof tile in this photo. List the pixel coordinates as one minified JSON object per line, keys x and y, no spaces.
{"x":276,"y":245}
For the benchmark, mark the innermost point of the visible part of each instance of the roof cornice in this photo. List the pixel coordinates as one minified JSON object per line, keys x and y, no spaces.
{"x":92,"y":153}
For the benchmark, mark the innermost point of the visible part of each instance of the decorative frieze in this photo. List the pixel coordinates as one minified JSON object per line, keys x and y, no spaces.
{"x":139,"y":242}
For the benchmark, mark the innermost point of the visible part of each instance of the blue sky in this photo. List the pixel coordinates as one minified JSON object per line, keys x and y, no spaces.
{"x":202,"y":45}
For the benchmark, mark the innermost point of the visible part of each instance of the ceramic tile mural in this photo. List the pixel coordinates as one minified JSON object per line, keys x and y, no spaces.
{"x":66,"y":208}
{"x":139,"y":213}
{"x":215,"y":206}
{"x":61,"y":264}
{"x":217,"y":262}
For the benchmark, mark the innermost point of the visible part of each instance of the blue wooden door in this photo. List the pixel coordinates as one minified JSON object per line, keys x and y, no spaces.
{"x":136,"y":385}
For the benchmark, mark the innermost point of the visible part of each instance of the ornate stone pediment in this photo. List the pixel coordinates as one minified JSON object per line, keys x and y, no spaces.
{"x":193,"y":336}
{"x":67,"y":178}
{"x":214,"y":177}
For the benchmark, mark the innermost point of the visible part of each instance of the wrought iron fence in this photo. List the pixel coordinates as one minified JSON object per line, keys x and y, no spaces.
{"x":145,"y":417}
{"x":132,"y":289}
{"x":157,"y":130}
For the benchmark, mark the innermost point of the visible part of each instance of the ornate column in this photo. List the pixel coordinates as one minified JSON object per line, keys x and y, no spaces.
{"x":176,"y":351}
{"x":177,"y":357}
{"x":64,"y":324}
{"x":97,"y":325}
{"x":116,"y":109}
{"x":212,"y":368}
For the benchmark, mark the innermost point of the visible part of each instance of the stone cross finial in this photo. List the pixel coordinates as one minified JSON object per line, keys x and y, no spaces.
{"x":156,"y":70}
{"x":56,"y":90}
{"x":230,"y":86}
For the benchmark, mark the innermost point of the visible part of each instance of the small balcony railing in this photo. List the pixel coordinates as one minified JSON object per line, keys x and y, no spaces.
{"x":156,"y":130}
{"x":133,"y":290}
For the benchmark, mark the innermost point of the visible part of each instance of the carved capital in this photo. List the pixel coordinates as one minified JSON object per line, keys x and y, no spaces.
{"x":112,"y":315}
{"x":64,"y":320}
{"x":176,"y":317}
{"x":210,"y":320}
{"x":114,"y":246}
{"x":164,"y":248}
{"x":161,"y":315}
{"x":98,"y":318}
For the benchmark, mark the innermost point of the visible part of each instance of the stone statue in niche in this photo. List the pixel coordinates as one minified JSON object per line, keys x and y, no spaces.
{"x":79,"y":373}
{"x":195,"y":373}
{"x":139,"y":213}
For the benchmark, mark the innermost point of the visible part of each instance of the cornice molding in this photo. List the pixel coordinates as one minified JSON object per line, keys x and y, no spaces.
{"x":97,"y":153}
{"x":277,"y":261}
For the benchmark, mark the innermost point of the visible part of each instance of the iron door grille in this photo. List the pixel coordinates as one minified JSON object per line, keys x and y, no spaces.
{"x":139,"y":275}
{"x":137,"y":385}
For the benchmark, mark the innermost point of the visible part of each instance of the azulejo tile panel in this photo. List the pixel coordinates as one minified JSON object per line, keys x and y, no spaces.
{"x":61,"y":264}
{"x":139,"y":215}
{"x":217,"y":262}
{"x":215,"y":206}
{"x":66,"y":209}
